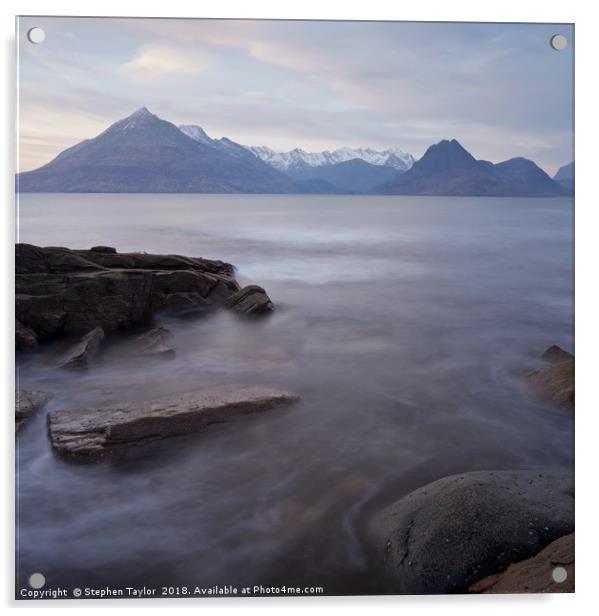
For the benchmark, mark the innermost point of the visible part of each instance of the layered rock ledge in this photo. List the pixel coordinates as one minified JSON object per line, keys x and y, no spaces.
{"x":92,"y":433}
{"x":71,"y":292}
{"x":447,"y":535}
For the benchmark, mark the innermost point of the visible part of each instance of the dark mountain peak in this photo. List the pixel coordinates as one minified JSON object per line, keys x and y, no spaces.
{"x":449,"y":147}
{"x":444,"y":157}
{"x":565,"y":173}
{"x":520,"y":165}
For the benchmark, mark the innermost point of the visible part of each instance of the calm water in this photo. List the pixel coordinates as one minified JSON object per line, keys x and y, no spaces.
{"x":402,"y":322}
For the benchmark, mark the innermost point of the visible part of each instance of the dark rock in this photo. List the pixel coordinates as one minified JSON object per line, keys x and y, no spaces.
{"x":95,"y":432}
{"x":250,"y":300}
{"x":455,"y":531}
{"x":25,"y":337}
{"x":79,"y":356}
{"x":66,"y":292}
{"x":153,"y":344}
{"x":556,"y":354}
{"x":554,"y":383}
{"x":534,"y":574}
{"x":104,"y":249}
{"x":27,"y":403}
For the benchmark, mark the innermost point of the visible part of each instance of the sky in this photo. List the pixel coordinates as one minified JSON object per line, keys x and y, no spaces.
{"x":499,"y":89}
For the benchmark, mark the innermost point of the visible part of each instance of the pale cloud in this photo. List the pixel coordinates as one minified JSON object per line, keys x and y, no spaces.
{"x":159,"y":61}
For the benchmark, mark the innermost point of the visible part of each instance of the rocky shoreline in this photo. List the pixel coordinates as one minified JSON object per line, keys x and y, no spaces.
{"x":61,"y":292}
{"x":484,"y":531}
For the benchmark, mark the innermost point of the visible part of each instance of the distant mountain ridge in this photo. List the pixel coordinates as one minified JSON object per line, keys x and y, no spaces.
{"x":143,"y":153}
{"x":300,"y":159}
{"x":354,"y":176}
{"x":449,"y":169}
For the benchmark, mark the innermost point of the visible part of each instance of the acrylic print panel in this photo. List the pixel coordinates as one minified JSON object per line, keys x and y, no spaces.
{"x":294,"y":308}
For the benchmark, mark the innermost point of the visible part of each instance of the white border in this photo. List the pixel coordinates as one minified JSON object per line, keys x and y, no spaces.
{"x":583,"y":13}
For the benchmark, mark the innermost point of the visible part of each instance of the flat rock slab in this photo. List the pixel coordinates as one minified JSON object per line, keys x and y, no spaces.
{"x":449,"y":534}
{"x":27,"y":403}
{"x":92,"y":433}
{"x":535,"y":574}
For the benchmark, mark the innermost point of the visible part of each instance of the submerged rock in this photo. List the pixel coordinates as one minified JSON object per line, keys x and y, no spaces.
{"x":91,"y":433}
{"x":455,"y":531}
{"x":153,"y":344}
{"x":27,"y":403}
{"x":534,"y":574}
{"x":556,"y":354}
{"x":65,"y":292}
{"x":250,"y":300}
{"x":554,"y":383}
{"x":79,"y":356}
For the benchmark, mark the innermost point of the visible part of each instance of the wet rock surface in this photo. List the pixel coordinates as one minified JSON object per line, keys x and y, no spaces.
{"x":25,"y":337}
{"x":556,"y":354}
{"x":70,"y":292}
{"x":92,"y":433}
{"x":154,"y":343}
{"x":554,"y":383}
{"x":534,"y":574}
{"x":82,"y":353}
{"x":27,"y":403}
{"x":250,"y":300}
{"x":447,"y":535}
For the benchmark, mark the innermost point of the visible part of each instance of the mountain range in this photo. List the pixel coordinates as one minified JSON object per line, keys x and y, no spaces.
{"x":299,"y":159}
{"x":143,"y":153}
{"x":448,"y":169}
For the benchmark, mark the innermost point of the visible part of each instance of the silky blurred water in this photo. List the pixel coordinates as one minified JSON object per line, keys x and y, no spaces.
{"x":403,"y":322}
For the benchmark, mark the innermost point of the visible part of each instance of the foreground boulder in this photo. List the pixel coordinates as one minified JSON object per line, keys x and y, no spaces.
{"x":70,"y":292}
{"x":455,"y":531}
{"x":554,"y":383}
{"x":535,"y":574}
{"x":91,"y":433}
{"x":250,"y":300}
{"x":27,"y":403}
{"x":79,"y":356}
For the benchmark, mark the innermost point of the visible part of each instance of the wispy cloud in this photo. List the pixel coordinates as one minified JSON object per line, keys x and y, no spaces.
{"x":161,"y":61}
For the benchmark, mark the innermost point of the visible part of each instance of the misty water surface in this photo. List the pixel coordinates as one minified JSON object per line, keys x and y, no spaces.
{"x":402,"y":322}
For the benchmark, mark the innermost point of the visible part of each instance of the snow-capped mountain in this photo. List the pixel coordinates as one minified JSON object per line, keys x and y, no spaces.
{"x":143,"y":153}
{"x":298,"y":158}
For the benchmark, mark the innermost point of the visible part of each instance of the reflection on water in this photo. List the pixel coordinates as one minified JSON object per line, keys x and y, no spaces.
{"x":402,"y":322}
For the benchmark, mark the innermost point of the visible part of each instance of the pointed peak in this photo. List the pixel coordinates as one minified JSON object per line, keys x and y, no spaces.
{"x":450,"y":146}
{"x":142,"y":111}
